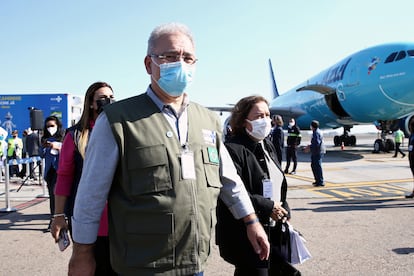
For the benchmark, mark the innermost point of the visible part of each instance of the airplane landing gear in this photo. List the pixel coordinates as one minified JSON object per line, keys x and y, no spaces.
{"x":383,"y":144}
{"x":348,"y":140}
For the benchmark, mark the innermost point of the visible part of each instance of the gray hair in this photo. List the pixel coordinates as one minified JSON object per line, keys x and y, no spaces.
{"x":168,"y":28}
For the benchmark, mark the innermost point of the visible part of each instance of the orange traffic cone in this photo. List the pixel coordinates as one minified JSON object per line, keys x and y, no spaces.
{"x":342,"y":146}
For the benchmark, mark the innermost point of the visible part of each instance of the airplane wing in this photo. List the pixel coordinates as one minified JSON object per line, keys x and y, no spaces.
{"x":220,"y":108}
{"x":288,"y":112}
{"x":323,"y":89}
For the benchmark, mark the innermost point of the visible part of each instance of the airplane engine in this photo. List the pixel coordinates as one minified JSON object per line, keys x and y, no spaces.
{"x":404,"y":124}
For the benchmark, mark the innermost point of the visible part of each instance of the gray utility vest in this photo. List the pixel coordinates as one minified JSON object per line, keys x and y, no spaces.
{"x":159,"y":223}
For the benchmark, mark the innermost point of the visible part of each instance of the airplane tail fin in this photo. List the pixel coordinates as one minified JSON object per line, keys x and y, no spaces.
{"x":272,"y":77}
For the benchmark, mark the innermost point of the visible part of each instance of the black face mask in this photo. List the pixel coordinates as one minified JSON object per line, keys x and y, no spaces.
{"x":102,"y":102}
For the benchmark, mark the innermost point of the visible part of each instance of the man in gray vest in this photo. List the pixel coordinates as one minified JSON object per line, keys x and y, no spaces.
{"x":159,"y":161}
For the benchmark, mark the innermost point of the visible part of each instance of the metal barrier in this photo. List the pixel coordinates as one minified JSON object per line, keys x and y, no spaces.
{"x":22,"y":161}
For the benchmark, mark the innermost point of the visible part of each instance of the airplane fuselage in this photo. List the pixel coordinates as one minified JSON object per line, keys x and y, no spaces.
{"x":376,"y":83}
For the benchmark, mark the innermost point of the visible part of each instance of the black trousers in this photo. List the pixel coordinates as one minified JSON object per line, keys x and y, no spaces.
{"x":51,"y":178}
{"x":291,"y":155}
{"x":250,"y":271}
{"x":278,"y":267}
{"x":103,"y":263}
{"x":398,"y":150}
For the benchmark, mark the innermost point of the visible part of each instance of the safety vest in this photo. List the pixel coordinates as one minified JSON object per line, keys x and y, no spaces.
{"x":399,"y":135}
{"x":160,"y":223}
{"x":14,"y":146}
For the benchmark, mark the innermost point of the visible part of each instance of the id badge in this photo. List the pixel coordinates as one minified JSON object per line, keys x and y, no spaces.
{"x":187,"y":164}
{"x":267,"y":188}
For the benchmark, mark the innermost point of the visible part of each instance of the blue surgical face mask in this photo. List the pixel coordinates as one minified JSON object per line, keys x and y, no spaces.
{"x":175,"y":77}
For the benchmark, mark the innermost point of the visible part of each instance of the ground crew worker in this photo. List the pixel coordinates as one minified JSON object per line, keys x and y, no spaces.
{"x":14,"y":151}
{"x":398,"y":138}
{"x":293,"y":141}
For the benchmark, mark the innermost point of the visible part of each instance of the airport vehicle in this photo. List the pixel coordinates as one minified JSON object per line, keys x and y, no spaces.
{"x":15,"y":109}
{"x":374,"y":85}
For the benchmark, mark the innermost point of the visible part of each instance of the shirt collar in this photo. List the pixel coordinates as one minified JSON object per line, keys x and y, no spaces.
{"x":160,"y":104}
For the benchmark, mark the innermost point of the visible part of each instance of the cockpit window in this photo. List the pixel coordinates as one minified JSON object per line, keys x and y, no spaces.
{"x":391,"y":57}
{"x":401,"y":55}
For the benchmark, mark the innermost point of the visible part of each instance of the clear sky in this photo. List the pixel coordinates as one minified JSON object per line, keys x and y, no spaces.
{"x":64,"y":46}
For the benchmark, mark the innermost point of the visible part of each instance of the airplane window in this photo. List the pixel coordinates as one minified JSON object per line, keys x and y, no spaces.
{"x":410,"y":53}
{"x":391,"y":57}
{"x":401,"y":55}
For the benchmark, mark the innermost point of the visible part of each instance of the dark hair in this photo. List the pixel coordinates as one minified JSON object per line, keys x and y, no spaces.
{"x":90,"y":93}
{"x":240,"y":112}
{"x":278,"y":119}
{"x":315,"y":124}
{"x":87,"y":114}
{"x":59,"y":133}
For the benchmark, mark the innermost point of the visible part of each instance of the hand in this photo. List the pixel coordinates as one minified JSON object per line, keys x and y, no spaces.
{"x":46,"y":144}
{"x":82,"y":261}
{"x":58,"y":223}
{"x":278,"y":212}
{"x":55,"y":145}
{"x":258,"y":238}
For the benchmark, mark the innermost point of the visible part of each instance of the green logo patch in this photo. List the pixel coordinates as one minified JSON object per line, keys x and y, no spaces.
{"x":213,"y":156}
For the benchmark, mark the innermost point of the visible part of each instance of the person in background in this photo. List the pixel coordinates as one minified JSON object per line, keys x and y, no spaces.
{"x":411,"y":154}
{"x":3,"y":150}
{"x":256,"y":162}
{"x":33,"y":149}
{"x":14,"y":151}
{"x":317,"y":150}
{"x":293,"y":141}
{"x":23,"y":171}
{"x":159,"y":162}
{"x":398,"y":138}
{"x":51,"y":144}
{"x":71,"y":159}
{"x":278,"y":137}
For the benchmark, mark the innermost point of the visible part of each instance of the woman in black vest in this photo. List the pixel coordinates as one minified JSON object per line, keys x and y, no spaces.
{"x":256,"y":162}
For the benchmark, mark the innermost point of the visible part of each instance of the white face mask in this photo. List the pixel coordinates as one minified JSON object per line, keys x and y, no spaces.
{"x":260,"y":128}
{"x":291,"y":124}
{"x":52,"y":130}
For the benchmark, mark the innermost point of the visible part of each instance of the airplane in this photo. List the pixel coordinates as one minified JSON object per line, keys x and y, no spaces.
{"x":372,"y":86}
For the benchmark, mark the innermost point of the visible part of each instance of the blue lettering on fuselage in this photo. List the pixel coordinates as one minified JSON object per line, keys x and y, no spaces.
{"x":335,"y":74}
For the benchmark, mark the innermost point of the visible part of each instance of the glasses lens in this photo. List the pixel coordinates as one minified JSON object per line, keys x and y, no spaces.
{"x":174,"y":57}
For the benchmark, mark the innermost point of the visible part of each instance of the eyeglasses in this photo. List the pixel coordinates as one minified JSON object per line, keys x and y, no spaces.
{"x":173,"y":57}
{"x":51,"y":126}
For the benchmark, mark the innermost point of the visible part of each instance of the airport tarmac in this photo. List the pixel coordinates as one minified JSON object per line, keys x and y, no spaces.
{"x":358,"y":224}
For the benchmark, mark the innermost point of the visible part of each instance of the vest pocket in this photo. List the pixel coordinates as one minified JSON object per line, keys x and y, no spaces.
{"x":148,"y":170}
{"x":211,"y":169}
{"x":149,"y":241}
